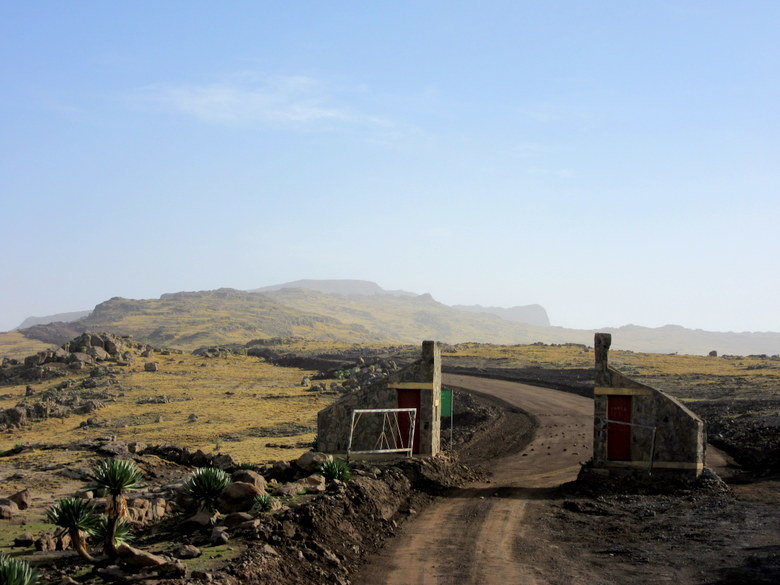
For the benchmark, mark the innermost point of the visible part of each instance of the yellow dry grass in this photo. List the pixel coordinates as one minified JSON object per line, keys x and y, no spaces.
{"x":230,"y":396}
{"x":576,"y":356}
{"x":15,"y":345}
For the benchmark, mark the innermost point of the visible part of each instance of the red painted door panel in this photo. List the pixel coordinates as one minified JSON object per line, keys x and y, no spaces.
{"x":619,"y":436}
{"x":409,"y":399}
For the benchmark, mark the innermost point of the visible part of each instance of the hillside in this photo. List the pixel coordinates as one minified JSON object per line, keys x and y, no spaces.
{"x":188,"y":320}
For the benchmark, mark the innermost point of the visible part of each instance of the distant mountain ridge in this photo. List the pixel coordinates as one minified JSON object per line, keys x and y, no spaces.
{"x":340,"y":287}
{"x":531,"y":314}
{"x":363,"y":312}
{"x":60,"y":317}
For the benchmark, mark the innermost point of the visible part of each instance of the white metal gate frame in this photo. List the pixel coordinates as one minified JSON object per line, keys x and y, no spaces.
{"x":383,"y":438}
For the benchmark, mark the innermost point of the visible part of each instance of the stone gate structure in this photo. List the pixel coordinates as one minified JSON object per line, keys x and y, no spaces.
{"x":639,"y":427}
{"x":417,"y":385}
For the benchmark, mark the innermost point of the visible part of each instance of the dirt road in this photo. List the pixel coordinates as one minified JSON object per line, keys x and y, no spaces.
{"x":474,"y":535}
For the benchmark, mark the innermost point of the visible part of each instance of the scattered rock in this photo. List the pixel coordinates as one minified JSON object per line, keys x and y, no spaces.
{"x":198,"y":521}
{"x":24,"y":540}
{"x":138,"y":558}
{"x":22,"y":499}
{"x":219,"y":536}
{"x":8,"y":509}
{"x":150,"y":367}
{"x":249,"y":476}
{"x":314,"y":484}
{"x":237,"y":518}
{"x":187,"y":551}
{"x":238,"y":497}
{"x":311,"y":461}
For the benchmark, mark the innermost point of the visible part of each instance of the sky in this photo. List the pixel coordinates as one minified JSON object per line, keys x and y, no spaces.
{"x":616,"y":162}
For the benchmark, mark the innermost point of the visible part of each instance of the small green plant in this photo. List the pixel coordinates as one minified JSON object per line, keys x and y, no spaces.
{"x":263,"y":502}
{"x":249,"y":467}
{"x":16,"y":572}
{"x":336,"y":469}
{"x":205,"y":485}
{"x":76,"y":517}
{"x":119,"y":534}
{"x":115,"y":476}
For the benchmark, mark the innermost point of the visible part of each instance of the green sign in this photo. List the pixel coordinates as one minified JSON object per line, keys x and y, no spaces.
{"x":446,"y":402}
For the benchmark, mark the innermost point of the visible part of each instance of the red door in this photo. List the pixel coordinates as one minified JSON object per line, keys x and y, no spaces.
{"x":619,"y":436}
{"x":409,"y":399}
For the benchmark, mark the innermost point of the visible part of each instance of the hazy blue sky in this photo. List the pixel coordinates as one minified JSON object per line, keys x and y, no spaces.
{"x":616,"y":162}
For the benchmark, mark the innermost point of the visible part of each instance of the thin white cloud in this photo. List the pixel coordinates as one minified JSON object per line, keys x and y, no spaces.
{"x":286,"y":100}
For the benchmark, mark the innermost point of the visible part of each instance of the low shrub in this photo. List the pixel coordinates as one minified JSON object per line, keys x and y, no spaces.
{"x":336,"y":469}
{"x":263,"y":503}
{"x":205,"y":485}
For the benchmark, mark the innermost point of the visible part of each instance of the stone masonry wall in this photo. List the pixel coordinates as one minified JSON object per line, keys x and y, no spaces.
{"x":333,"y":422}
{"x":680,"y":435}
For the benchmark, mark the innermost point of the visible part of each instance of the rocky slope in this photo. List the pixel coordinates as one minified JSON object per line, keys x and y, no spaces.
{"x":361,"y":312}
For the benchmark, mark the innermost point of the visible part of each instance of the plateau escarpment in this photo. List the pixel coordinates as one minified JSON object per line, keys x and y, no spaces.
{"x":357,"y":312}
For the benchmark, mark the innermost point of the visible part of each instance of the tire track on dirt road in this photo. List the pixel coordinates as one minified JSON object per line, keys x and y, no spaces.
{"x":474,"y":535}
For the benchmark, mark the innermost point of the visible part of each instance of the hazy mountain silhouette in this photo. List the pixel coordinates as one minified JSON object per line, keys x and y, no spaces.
{"x":359,"y":311}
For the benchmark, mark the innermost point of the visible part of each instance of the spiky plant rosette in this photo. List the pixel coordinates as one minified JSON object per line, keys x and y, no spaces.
{"x":73,"y":513}
{"x":16,"y":572}
{"x":122,"y":533}
{"x":205,"y":485}
{"x":263,"y":503}
{"x":336,"y":469}
{"x":76,"y":517}
{"x":116,"y":476}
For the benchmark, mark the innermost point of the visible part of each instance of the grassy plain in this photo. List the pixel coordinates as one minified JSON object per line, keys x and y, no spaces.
{"x":690,"y":377}
{"x":240,"y":404}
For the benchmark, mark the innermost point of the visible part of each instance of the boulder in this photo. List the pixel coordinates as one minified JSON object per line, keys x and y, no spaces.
{"x":45,"y":543}
{"x":150,"y":367}
{"x":22,"y":499}
{"x":219,"y":536}
{"x":111,"y":347}
{"x":99,"y":353}
{"x":137,"y":558}
{"x":249,"y":476}
{"x":236,"y":518}
{"x":8,"y":508}
{"x":249,"y":525}
{"x":60,"y":355}
{"x":314,"y":484}
{"x":81,"y":357}
{"x":223,"y":461}
{"x":24,"y":540}
{"x":197,"y":522}
{"x":187,"y":551}
{"x":238,"y":497}
{"x":136,"y":447}
{"x":311,"y":461}
{"x":171,"y":570}
{"x":62,"y":542}
{"x":289,"y":490}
